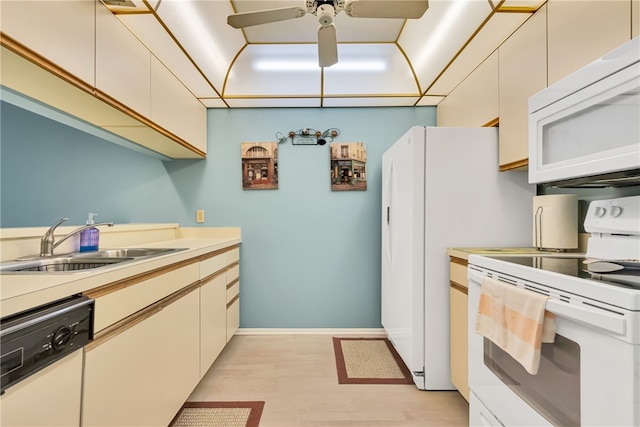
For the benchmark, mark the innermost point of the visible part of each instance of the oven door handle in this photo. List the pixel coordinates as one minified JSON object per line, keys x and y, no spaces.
{"x":588,"y":316}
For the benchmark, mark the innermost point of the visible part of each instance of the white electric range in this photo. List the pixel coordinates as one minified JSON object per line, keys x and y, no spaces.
{"x":590,"y":374}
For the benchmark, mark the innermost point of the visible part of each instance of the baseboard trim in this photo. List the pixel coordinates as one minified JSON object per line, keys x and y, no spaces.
{"x":376,"y":332}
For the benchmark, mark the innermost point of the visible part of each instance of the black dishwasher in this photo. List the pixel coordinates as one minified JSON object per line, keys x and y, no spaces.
{"x":34,"y":339}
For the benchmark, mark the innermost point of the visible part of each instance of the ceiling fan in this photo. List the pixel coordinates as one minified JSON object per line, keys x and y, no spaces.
{"x":326,"y":10}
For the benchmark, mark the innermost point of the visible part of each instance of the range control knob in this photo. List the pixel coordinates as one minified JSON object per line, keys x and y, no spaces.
{"x":61,"y":337}
{"x":615,"y":211}
{"x":600,"y":211}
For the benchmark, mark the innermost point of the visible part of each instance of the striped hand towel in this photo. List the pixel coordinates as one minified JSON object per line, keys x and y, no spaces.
{"x":515,"y":320}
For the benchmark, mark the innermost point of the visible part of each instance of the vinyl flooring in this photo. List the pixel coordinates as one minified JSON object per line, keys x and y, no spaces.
{"x":295,"y":375}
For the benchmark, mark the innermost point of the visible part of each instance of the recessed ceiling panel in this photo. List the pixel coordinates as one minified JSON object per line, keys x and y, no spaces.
{"x":370,"y":102}
{"x":497,"y":30}
{"x":275,"y":70}
{"x":433,"y":40}
{"x":273,"y":102}
{"x":201,"y":27}
{"x":148,"y":29}
{"x":371,"y":69}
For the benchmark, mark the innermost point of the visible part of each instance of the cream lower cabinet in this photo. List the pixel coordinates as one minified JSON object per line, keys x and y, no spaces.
{"x":458,"y":312}
{"x":219,"y":303}
{"x":233,"y":300}
{"x":141,"y":373}
{"x":49,"y":398}
{"x":213,"y":320}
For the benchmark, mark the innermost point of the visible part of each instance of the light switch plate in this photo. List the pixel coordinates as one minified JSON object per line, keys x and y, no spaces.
{"x":200,"y":215}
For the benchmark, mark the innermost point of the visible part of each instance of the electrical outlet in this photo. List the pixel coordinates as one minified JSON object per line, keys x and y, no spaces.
{"x":200,"y":215}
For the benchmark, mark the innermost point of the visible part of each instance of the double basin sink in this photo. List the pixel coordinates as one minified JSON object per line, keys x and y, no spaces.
{"x":80,"y":261}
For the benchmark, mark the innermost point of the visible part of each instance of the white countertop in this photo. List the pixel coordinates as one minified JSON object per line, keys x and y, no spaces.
{"x":25,"y":290}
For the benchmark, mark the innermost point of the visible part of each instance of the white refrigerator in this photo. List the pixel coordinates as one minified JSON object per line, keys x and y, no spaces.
{"x":441,"y":188}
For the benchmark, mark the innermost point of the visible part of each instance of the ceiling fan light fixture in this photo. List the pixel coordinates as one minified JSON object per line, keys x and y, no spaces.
{"x":326,"y":14}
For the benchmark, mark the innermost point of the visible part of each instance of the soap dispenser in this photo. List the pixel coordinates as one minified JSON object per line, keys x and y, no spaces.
{"x":89,"y":237}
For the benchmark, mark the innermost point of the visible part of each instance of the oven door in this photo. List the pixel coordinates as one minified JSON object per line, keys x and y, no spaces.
{"x":588,"y":376}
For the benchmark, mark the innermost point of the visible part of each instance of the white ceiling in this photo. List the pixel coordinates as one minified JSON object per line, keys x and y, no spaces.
{"x":382,"y":62}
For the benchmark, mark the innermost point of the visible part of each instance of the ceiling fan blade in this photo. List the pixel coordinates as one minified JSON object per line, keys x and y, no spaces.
{"x":399,"y":9}
{"x":248,"y":19}
{"x":327,"y":46}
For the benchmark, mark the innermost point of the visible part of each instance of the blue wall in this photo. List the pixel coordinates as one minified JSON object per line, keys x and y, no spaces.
{"x":310,"y":257}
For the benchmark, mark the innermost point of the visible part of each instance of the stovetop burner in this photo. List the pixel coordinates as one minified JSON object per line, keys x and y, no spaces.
{"x":576,"y":267}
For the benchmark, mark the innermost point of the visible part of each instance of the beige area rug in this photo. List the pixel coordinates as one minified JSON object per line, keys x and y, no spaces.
{"x":369,"y":361}
{"x":218,"y":414}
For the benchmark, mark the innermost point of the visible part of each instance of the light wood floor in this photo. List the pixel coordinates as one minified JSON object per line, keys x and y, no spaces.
{"x":296,"y":377}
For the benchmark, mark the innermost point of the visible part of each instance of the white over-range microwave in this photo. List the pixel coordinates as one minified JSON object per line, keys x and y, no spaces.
{"x":586,"y":127}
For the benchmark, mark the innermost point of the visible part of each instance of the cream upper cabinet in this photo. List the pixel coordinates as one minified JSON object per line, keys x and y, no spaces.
{"x":523,"y":72}
{"x":123,"y":64}
{"x":581,"y":31}
{"x":474,"y":102}
{"x":449,"y":111}
{"x":60,"y":31}
{"x":635,"y":18}
{"x":480,"y":94}
{"x":175,"y":108}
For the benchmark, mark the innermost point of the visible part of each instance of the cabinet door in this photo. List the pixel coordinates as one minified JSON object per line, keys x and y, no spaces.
{"x":123,"y":63}
{"x":459,"y":340}
{"x":449,"y":111}
{"x":48,"y":398}
{"x":142,"y":375}
{"x":61,"y":31}
{"x":175,"y":108}
{"x":233,"y":300}
{"x":480,"y":94}
{"x":213,"y":321}
{"x":474,"y":102}
{"x":581,"y":31}
{"x":635,"y":18}
{"x":523,"y":72}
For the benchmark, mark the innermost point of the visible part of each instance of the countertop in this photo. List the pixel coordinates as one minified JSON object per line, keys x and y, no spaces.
{"x":26,"y":290}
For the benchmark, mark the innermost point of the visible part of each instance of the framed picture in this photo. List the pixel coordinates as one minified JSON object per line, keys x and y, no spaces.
{"x":348,"y":166}
{"x":259,"y":165}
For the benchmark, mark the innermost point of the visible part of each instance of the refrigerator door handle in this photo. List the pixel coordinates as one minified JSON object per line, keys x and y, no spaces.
{"x":388,"y":214}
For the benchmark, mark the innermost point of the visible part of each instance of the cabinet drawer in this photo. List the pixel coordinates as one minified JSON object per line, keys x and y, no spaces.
{"x":458,"y":271}
{"x":233,"y":289}
{"x":126,"y":299}
{"x":233,"y":318}
{"x":233,"y":273}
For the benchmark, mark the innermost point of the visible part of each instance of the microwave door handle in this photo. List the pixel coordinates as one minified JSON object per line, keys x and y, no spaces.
{"x":588,"y":316}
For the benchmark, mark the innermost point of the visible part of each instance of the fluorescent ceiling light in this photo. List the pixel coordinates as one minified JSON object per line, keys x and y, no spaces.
{"x":373,"y":65}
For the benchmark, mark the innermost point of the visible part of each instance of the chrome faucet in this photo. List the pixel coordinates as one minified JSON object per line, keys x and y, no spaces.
{"x":48,"y":243}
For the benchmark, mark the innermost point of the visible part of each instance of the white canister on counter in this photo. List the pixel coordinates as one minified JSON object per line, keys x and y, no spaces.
{"x":555,"y":221}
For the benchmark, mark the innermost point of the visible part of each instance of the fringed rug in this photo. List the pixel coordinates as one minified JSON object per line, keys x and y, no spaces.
{"x":369,"y":361}
{"x":218,"y":414}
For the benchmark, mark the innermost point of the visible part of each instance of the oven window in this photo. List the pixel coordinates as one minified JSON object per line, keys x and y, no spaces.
{"x":555,"y":390}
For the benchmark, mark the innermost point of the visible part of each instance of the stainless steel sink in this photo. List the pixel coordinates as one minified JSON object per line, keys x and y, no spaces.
{"x":52,"y":264}
{"x":127,"y":253}
{"x":80,"y":261}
